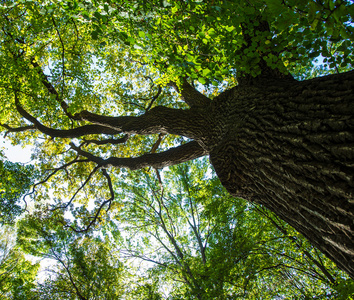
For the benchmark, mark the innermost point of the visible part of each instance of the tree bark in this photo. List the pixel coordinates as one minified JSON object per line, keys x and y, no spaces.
{"x":289,"y":146}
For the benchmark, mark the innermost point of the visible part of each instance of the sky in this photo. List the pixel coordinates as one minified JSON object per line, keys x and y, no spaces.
{"x":15,"y":153}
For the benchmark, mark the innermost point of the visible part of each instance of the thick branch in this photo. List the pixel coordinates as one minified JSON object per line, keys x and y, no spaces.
{"x":159,"y":119}
{"x":190,"y":95}
{"x":167,"y":158}
{"x":108,"y":141}
{"x":63,"y":133}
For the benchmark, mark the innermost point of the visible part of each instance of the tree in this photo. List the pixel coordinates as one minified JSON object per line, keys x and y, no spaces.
{"x":82,"y":267}
{"x":82,"y":80}
{"x":17,"y":274}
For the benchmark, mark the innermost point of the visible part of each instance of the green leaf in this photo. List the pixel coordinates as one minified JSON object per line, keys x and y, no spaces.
{"x":142,"y":34}
{"x":206,"y":72}
{"x":345,"y":34}
{"x":94,"y":35}
{"x":174,"y":9}
{"x":97,"y":15}
{"x":312,"y":12}
{"x":331,"y":4}
{"x":314,"y":24}
{"x":202,"y":80}
{"x":212,"y":32}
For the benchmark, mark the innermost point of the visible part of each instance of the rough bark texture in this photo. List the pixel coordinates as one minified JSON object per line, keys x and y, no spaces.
{"x":289,"y":146}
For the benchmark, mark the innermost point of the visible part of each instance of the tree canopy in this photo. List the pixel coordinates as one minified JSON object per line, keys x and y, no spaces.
{"x":100,"y":89}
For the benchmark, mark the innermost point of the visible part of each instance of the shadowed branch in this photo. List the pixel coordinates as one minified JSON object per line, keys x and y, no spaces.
{"x":190,"y":95}
{"x":108,"y":141}
{"x":160,"y":160}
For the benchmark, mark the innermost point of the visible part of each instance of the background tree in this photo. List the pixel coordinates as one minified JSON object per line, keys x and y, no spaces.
{"x":80,"y":267}
{"x":17,"y":274}
{"x":66,"y":73}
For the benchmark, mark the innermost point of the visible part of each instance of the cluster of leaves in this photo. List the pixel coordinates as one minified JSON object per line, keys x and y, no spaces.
{"x":207,"y":40}
{"x":78,"y":70}
{"x":15,"y":182}
{"x":80,"y":267}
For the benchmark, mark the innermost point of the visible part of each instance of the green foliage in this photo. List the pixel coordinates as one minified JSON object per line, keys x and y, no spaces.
{"x":183,"y":234}
{"x":82,"y":267}
{"x":17,"y":274}
{"x":345,"y":289}
{"x":178,"y":38}
{"x":15,"y":181}
{"x":207,"y":40}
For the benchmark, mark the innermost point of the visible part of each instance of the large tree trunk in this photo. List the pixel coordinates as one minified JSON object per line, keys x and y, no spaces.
{"x":289,"y":146}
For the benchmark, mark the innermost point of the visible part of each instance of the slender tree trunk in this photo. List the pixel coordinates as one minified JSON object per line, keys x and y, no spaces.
{"x":289,"y":146}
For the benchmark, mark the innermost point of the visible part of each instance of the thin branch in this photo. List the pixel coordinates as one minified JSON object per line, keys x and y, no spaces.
{"x":157,"y":143}
{"x":176,"y":258}
{"x":63,"y":167}
{"x":154,"y":99}
{"x":133,"y":103}
{"x":108,"y":201}
{"x":78,"y":190}
{"x":17,"y":129}
{"x":62,"y":55}
{"x":143,"y":257}
{"x":81,"y":297}
{"x":51,"y":89}
{"x":160,"y":201}
{"x":283,"y":230}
